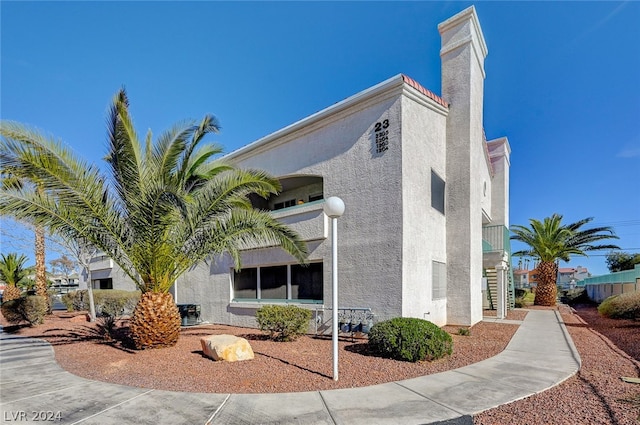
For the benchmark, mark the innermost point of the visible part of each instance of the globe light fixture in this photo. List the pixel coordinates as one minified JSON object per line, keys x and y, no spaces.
{"x":334,"y":208}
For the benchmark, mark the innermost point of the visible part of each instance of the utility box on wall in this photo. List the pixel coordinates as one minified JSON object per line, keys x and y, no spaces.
{"x":190,"y":314}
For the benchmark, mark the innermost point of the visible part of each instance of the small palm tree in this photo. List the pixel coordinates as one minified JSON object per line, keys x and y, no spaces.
{"x":162,"y":208}
{"x":549,"y":241}
{"x":14,"y":274}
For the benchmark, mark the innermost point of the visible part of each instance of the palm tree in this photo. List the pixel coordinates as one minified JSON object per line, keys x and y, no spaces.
{"x":161,"y":208}
{"x":13,"y":273}
{"x":41,"y":283}
{"x":549,"y":241}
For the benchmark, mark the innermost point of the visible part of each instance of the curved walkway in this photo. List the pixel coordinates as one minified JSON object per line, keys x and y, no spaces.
{"x":541,"y":354}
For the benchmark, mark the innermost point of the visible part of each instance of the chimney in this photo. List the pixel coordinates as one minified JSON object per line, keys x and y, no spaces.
{"x":462,"y":54}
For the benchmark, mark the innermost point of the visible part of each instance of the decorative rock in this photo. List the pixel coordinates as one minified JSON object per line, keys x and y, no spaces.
{"x":226,"y":347}
{"x":80,"y":318}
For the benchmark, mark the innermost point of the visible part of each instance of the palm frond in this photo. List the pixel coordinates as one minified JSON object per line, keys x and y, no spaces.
{"x":157,"y":212}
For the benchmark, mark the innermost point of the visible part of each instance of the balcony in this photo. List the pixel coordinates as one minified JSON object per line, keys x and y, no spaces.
{"x":308,"y":219}
{"x":496,"y":239}
{"x":100,"y":262}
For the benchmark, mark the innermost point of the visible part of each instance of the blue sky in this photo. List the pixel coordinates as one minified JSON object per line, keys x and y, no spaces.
{"x":563,"y":80}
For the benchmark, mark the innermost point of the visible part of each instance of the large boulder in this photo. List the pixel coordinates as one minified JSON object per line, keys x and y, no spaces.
{"x":226,"y":347}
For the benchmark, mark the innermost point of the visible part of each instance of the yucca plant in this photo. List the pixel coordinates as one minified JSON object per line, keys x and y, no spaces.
{"x":13,"y":273}
{"x":161,"y":208}
{"x":549,"y":241}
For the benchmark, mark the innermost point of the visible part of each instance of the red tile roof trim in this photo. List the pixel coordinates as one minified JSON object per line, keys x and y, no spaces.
{"x":413,"y":83}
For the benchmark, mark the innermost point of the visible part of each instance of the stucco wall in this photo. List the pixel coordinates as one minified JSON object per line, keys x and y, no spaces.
{"x":424,"y":228}
{"x":340,"y":148}
{"x":462,"y":54}
{"x":500,"y":152}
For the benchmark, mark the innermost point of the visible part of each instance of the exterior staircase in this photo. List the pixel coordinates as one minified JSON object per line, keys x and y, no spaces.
{"x":492,"y":289}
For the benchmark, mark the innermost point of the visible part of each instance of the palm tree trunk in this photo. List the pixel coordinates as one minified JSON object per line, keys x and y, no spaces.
{"x":546,"y":291}
{"x":11,"y":292}
{"x":155,"y":322}
{"x":41,"y":267}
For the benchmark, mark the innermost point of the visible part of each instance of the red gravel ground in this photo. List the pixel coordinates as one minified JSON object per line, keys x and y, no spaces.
{"x":302,"y":365}
{"x":596,"y":395}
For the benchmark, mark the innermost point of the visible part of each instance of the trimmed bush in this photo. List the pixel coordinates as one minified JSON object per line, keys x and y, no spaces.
{"x":31,"y":309}
{"x":11,"y":311}
{"x":410,"y":339}
{"x":67,"y":300}
{"x":623,"y":306}
{"x":283,"y":322}
{"x":111,"y":302}
{"x":575,"y":296}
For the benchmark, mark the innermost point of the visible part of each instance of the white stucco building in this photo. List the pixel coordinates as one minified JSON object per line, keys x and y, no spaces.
{"x":427,"y":202}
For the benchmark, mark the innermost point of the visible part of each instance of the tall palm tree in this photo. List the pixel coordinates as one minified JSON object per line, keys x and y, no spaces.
{"x":41,"y":265}
{"x":549,"y":241}
{"x":14,"y":273}
{"x":161,"y":208}
{"x":41,"y":284}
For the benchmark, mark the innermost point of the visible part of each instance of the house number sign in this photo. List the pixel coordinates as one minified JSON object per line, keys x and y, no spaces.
{"x":382,"y":136}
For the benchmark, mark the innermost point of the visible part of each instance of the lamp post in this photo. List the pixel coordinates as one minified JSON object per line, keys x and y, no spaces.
{"x":334,"y":208}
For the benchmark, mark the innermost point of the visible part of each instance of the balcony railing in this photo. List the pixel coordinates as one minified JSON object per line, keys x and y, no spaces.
{"x":495,"y":238}
{"x":308,"y":219}
{"x":101,"y":262}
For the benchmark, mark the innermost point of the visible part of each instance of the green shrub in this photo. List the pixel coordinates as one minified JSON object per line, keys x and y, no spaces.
{"x":410,"y":339}
{"x":283,"y":322}
{"x":519,"y":302}
{"x":67,"y":300}
{"x":112,"y":302}
{"x":623,"y":306}
{"x":11,"y":311}
{"x":464,"y":331}
{"x":520,"y":293}
{"x":31,"y":309}
{"x":75,"y":300}
{"x":575,"y":296}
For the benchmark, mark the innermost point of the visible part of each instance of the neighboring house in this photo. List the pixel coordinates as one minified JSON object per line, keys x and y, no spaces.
{"x":427,"y":202}
{"x":63,"y":284}
{"x":521,"y":278}
{"x":568,"y":277}
{"x":105,"y":274}
{"x":425,"y":231}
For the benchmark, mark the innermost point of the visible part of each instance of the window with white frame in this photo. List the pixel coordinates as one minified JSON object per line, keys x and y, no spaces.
{"x":439,"y":280}
{"x":279,"y":283}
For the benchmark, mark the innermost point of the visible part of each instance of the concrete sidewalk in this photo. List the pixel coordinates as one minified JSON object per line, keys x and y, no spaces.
{"x":34,"y":389}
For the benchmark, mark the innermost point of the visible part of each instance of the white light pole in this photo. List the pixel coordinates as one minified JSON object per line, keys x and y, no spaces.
{"x":334,"y":208}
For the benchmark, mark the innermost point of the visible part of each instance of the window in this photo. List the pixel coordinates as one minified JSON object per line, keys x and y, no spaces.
{"x":437,"y":192}
{"x":103,"y":283}
{"x":439,"y":280}
{"x":273,"y":282}
{"x":285,"y":204}
{"x":244,"y":284}
{"x":316,"y":197}
{"x":306,"y":282}
{"x":284,"y":282}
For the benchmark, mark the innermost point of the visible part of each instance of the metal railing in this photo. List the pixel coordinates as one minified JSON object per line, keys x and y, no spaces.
{"x":351,"y":320}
